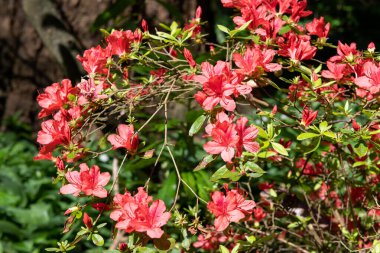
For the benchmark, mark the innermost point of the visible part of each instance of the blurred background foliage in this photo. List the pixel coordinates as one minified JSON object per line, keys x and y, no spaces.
{"x":31,"y":210}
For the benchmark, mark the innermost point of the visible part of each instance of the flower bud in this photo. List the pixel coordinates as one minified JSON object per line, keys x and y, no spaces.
{"x":144,"y":25}
{"x":87,"y":221}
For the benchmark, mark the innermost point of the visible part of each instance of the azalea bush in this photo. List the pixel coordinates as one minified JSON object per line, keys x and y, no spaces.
{"x":271,"y":145}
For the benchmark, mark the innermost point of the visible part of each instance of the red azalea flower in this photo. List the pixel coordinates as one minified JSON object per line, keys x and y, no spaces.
{"x":335,"y":72}
{"x":255,"y":60}
{"x":370,"y":82}
{"x":228,"y":208}
{"x":55,"y":97}
{"x":94,"y":60}
{"x":119,"y":42}
{"x":125,"y":138}
{"x":308,"y":116}
{"x":88,"y":181}
{"x":246,"y":137}
{"x":318,"y":27}
{"x":133,"y":213}
{"x":189,"y":58}
{"x":219,"y":83}
{"x":224,"y":141}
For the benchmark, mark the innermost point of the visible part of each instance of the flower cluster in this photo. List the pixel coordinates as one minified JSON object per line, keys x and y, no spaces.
{"x":229,"y":139}
{"x":298,"y":135}
{"x":133,"y":213}
{"x":229,"y":207}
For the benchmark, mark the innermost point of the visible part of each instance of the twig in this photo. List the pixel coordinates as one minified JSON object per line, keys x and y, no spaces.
{"x":281,"y":240}
{"x":179,"y":176}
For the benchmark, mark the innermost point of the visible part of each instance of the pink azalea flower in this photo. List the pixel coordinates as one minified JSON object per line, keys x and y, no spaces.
{"x":90,"y":91}
{"x":89,"y":181}
{"x":301,"y":50}
{"x":94,"y":60}
{"x":318,"y":27}
{"x":211,"y":240}
{"x":246,"y":137}
{"x":370,"y":82}
{"x":119,"y":42}
{"x":218,"y":85}
{"x":255,"y":60}
{"x":345,"y":52}
{"x":125,"y":138}
{"x":133,"y":213}
{"x":335,"y":72}
{"x":229,"y":207}
{"x":224,"y":141}
{"x":53,"y":132}
{"x":54,"y":97}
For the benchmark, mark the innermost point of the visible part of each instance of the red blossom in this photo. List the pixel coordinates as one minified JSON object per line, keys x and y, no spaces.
{"x":224,"y":141}
{"x":133,"y":213}
{"x":89,"y":181}
{"x":125,"y":138}
{"x":189,"y":58}
{"x":144,"y":25}
{"x":308,"y":116}
{"x":259,"y":214}
{"x":229,"y":207}
{"x":94,"y":60}
{"x":55,"y":97}
{"x":119,"y":42}
{"x":211,"y":240}
{"x":318,"y":27}
{"x":90,"y":90}
{"x":53,"y":133}
{"x":246,"y":137}
{"x":369,"y":83}
{"x":87,"y":221}
{"x":335,"y":72}
{"x":219,"y":83}
{"x":301,"y":50}
{"x":345,"y":52}
{"x":255,"y":60}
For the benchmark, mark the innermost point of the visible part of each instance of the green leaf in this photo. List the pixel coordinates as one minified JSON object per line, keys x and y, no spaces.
{"x":330,"y":134}
{"x":244,"y":26}
{"x":196,"y":126}
{"x":205,"y":161}
{"x":236,"y":248}
{"x":305,"y":136}
{"x":262,"y":133}
{"x":315,"y":144}
{"x":97,"y":240}
{"x":284,"y":30}
{"x":257,"y":171}
{"x":361,"y":150}
{"x":361,"y":163}
{"x":266,"y":154}
{"x":223,"y":173}
{"x":324,"y":126}
{"x":52,"y":249}
{"x":251,"y":239}
{"x":270,"y":130}
{"x":223,"y":249}
{"x":223,"y":29}
{"x":279,"y":148}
